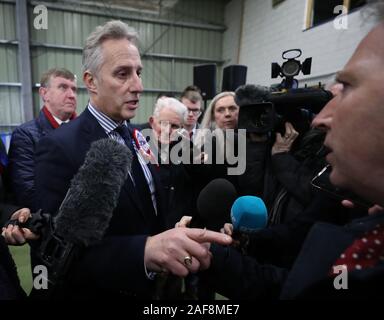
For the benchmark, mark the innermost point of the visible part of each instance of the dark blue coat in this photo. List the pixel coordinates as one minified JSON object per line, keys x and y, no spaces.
{"x":242,"y":277}
{"x":10,"y":287}
{"x":117,"y":263}
{"x":22,"y":158}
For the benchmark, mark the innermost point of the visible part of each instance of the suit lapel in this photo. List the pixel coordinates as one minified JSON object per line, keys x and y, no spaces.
{"x":93,"y":131}
{"x":148,"y":215}
{"x":91,"y":127}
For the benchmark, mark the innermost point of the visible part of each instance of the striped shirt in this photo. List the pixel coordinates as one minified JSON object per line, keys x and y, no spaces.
{"x":109,"y":125}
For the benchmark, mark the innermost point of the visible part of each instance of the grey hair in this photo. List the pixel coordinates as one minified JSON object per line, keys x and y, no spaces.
{"x":115,"y":29}
{"x":208,"y":121}
{"x":173,"y":104}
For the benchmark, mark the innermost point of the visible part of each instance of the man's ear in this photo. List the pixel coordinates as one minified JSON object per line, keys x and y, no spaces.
{"x":90,"y":81}
{"x":43,"y":93}
{"x":151,"y":121}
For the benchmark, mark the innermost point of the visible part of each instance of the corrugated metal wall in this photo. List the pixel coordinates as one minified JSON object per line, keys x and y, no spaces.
{"x":172,"y":41}
{"x":10,"y":102}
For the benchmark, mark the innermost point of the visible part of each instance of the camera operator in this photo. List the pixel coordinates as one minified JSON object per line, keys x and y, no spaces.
{"x":357,"y":165}
{"x":280,"y":161}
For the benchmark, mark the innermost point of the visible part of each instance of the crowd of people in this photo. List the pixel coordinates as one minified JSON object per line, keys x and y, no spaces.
{"x":142,"y":254}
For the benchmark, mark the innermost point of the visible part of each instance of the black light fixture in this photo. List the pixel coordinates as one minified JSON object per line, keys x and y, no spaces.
{"x":291,"y":68}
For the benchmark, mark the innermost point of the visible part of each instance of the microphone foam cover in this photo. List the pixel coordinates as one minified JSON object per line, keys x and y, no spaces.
{"x":249,"y":214}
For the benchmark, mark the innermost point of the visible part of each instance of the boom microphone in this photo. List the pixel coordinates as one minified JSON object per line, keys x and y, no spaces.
{"x":250,"y":94}
{"x":214,"y":205}
{"x":249,"y":214}
{"x":85,"y":213}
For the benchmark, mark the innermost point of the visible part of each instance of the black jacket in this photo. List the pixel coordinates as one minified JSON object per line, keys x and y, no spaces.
{"x":22,"y":158}
{"x":116,"y":265}
{"x":243,"y":277}
{"x":283,"y":180}
{"x":10,"y":287}
{"x":179,"y":192}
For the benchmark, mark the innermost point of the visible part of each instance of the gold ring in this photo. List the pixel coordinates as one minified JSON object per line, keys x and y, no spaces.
{"x":188,"y":260}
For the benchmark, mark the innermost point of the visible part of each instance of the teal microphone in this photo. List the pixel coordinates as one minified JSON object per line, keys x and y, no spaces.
{"x":249,"y":214}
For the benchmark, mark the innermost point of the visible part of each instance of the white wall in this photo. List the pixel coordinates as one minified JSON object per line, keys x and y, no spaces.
{"x":268,"y":31}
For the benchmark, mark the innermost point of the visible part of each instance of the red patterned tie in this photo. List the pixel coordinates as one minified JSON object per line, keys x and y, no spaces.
{"x":365,"y":252}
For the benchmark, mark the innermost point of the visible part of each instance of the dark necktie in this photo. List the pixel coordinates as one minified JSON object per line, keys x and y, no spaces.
{"x":141,"y":184}
{"x":365,"y":252}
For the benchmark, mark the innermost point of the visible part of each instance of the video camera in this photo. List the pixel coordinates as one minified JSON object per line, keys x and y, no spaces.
{"x":264,"y":109}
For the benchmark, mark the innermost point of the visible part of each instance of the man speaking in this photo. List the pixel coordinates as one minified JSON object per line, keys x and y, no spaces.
{"x":132,"y":250}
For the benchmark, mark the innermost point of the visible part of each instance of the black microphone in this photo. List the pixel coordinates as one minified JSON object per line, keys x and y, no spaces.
{"x":86,"y":210}
{"x":214,"y":205}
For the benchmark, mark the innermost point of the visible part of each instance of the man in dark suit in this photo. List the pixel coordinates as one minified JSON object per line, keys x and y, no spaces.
{"x":133,"y":249}
{"x":58,"y":91}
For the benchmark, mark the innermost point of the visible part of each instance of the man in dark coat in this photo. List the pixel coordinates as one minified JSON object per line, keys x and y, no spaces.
{"x":122,"y":264}
{"x":9,"y":282}
{"x":10,"y":287}
{"x":58,"y":92}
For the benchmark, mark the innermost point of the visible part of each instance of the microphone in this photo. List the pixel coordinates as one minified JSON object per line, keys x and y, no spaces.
{"x":214,"y":205}
{"x":250,"y":94}
{"x":249,"y":214}
{"x":86,"y":210}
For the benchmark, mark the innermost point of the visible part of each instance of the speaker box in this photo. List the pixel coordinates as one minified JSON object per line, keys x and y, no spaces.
{"x":233,"y":77}
{"x":204,"y":77}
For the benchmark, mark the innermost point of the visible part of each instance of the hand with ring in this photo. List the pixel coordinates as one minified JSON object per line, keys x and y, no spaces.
{"x":181,"y":250}
{"x":188,"y":261}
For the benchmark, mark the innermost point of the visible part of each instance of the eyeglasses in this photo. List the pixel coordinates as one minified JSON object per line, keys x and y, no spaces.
{"x":195,"y":112}
{"x":321,"y":182}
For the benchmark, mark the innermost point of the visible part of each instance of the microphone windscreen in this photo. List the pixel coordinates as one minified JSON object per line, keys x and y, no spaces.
{"x":214,"y":205}
{"x":249,"y":214}
{"x":250,"y":94}
{"x":84,"y":214}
